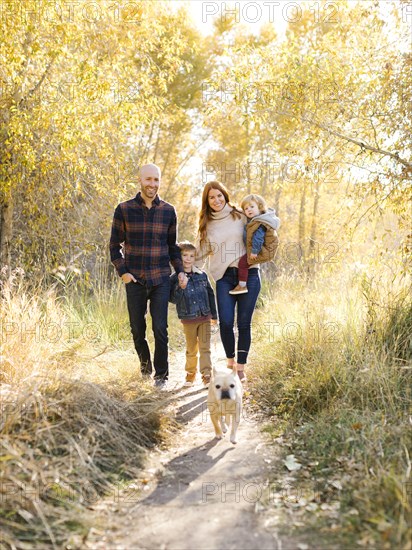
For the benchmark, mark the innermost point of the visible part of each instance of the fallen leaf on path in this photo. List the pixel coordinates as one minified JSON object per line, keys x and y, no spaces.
{"x":337,"y":484}
{"x":259,"y":507}
{"x":291,"y":463}
{"x":357,"y":426}
{"x":259,"y":446}
{"x":383,"y":526}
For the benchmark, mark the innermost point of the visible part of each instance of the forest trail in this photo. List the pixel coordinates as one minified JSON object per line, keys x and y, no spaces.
{"x":201,"y":493}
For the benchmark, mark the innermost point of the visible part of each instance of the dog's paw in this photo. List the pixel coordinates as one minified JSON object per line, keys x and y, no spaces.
{"x":224,"y":428}
{"x":219,"y":436}
{"x":233,"y":439}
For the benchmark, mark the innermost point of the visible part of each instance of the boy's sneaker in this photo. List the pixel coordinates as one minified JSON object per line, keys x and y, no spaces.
{"x":190,"y":380}
{"x":239,"y":290}
{"x":206,"y":380}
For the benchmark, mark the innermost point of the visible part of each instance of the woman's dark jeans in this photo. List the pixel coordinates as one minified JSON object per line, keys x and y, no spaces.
{"x":245,"y":307}
{"x":137,"y":297}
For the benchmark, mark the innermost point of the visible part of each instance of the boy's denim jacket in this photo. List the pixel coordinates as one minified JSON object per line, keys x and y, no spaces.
{"x":197,"y":299}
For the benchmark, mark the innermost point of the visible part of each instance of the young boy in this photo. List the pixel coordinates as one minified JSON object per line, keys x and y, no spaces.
{"x":196,"y":308}
{"x":260,"y":238}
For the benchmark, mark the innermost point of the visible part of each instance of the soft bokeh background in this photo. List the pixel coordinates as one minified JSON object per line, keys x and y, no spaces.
{"x":311,"y":110}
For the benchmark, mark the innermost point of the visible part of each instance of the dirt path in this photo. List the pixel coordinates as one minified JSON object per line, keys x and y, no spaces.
{"x":199,"y":494}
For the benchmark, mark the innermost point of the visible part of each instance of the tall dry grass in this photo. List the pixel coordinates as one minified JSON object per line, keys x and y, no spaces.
{"x":76,"y":418}
{"x":336,"y":381}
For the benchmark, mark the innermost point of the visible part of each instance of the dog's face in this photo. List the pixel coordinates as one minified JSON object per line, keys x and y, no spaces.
{"x":225,"y":386}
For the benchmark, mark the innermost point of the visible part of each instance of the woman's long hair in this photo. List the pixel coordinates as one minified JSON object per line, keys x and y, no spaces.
{"x":206,"y":212}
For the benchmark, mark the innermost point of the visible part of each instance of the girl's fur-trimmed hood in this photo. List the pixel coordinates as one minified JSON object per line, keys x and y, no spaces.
{"x":269,"y":218}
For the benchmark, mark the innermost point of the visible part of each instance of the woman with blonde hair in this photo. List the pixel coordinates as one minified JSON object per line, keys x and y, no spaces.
{"x":220,"y":240}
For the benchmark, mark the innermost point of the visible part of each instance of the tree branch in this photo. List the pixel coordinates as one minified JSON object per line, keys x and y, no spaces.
{"x":40,"y":82}
{"x":361,"y":144}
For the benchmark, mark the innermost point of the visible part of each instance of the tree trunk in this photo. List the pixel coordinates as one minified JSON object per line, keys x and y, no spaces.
{"x":6,"y":228}
{"x":301,"y":237}
{"x":249,"y":187}
{"x":278,"y":192}
{"x":313,"y":250}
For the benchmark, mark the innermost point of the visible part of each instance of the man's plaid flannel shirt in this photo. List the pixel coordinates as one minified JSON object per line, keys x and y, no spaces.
{"x":143,"y":241}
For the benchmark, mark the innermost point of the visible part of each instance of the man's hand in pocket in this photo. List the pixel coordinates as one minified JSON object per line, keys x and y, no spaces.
{"x":128,"y":278}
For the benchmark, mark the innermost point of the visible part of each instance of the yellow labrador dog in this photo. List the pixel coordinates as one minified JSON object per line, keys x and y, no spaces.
{"x":225,"y":402}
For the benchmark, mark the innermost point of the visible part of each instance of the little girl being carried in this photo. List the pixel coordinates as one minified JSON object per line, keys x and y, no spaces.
{"x":259,"y":235}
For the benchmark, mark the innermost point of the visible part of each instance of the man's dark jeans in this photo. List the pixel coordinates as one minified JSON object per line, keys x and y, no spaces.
{"x":226,"y":304}
{"x":137,"y":297}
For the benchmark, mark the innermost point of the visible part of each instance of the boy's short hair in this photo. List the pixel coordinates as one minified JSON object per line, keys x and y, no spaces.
{"x":260,"y":201}
{"x":186,"y":245}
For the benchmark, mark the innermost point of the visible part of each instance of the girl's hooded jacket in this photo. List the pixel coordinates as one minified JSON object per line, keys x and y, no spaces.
{"x":270,"y":245}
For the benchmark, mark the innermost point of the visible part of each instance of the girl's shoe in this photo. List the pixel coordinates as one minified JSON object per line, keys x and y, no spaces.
{"x":206,"y":380}
{"x":239,"y":290}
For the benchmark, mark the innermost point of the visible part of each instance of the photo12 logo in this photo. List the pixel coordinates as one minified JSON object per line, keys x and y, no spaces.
{"x":407,"y":12}
{"x":268,"y":12}
{"x":254,"y":492}
{"x":52,"y":332}
{"x":261,"y":95}
{"x":284,"y":170}
{"x":70,"y":89}
{"x":63,"y":11}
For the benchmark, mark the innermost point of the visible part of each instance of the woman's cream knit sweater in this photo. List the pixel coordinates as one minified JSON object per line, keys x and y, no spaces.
{"x":225,"y":236}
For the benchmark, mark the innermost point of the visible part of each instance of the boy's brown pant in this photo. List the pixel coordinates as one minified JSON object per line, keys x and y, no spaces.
{"x":198,"y":339}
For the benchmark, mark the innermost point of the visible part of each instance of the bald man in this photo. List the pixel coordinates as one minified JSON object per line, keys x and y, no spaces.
{"x":142,"y":246}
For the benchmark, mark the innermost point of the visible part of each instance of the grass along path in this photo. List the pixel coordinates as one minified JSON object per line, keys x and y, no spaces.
{"x":79,"y":419}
